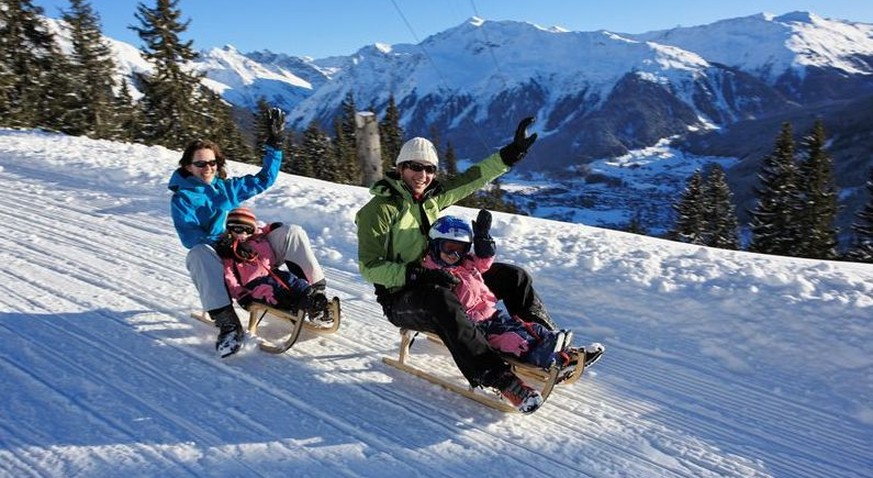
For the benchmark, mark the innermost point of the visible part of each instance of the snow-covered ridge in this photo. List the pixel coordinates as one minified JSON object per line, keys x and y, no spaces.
{"x":769,"y":45}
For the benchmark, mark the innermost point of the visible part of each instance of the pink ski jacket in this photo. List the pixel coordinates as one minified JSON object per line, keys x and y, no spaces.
{"x":477,"y":299}
{"x":237,"y":272}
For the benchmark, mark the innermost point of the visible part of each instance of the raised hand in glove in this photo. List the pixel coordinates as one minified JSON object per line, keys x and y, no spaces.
{"x":275,"y":128}
{"x":483,"y":244}
{"x":515,"y":151}
{"x":416,"y":274}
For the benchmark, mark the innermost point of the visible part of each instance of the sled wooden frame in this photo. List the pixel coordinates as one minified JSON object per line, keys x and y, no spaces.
{"x":542,"y":379}
{"x":257,"y":312}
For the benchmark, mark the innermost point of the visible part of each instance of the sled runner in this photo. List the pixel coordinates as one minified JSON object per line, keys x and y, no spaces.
{"x":297,"y":321}
{"x":544,"y":380}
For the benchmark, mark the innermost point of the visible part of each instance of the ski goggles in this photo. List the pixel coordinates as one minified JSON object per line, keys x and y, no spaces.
{"x":454,"y":248}
{"x":240,"y":229}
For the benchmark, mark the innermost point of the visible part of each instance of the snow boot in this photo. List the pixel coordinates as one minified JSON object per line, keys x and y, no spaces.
{"x":230,"y":331}
{"x":317,"y":304}
{"x":520,"y":395}
{"x":568,"y":359}
{"x":537,"y":313}
{"x":593,"y":353}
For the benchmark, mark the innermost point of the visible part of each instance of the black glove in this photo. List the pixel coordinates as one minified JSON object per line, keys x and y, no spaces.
{"x":416,"y":274}
{"x":514,"y":151}
{"x":244,"y":251}
{"x":275,"y":128}
{"x":482,"y":224}
{"x":483,"y":244}
{"x":224,"y":247}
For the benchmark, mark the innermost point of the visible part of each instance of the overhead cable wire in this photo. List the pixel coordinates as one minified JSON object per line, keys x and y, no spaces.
{"x":439,"y":73}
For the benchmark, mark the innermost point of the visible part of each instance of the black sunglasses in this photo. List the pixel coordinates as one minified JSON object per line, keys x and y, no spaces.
{"x":203,"y":164}
{"x":418,"y":167}
{"x":241,"y":229}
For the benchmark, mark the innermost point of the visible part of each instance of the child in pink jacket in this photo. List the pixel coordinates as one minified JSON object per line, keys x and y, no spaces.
{"x":449,"y":244}
{"x":251,"y":271}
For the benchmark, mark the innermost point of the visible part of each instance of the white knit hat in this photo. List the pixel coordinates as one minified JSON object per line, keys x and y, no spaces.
{"x":419,"y":150}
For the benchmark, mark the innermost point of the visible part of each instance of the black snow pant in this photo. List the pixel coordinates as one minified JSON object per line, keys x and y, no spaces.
{"x":514,"y":286}
{"x":434,"y":309}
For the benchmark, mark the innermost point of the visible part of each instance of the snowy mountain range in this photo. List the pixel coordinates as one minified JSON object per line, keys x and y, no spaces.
{"x":597,"y":95}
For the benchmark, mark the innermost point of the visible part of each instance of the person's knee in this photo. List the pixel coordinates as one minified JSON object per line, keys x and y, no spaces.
{"x":441,"y":299}
{"x":295,"y":231}
{"x":201,"y":254}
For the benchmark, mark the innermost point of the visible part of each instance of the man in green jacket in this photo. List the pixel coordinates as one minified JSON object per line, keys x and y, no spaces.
{"x":392,"y":238}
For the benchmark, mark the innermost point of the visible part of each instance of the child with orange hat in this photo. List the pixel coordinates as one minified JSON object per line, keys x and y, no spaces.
{"x":251,"y":270}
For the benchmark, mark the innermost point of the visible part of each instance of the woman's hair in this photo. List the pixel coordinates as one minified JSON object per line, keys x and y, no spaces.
{"x":197,"y":144}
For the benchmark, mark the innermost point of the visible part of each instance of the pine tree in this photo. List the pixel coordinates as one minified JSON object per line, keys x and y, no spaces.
{"x":390,"y":135}
{"x":722,"y":224}
{"x":314,"y":154}
{"x":128,"y":116}
{"x":34,"y":75}
{"x":774,"y":222}
{"x":348,"y":169}
{"x":217,"y":122}
{"x":292,"y":153}
{"x":817,"y":199}
{"x":171,"y":95}
{"x":93,"y":109}
{"x":450,"y":161}
{"x":862,"y":228}
{"x":691,"y":213}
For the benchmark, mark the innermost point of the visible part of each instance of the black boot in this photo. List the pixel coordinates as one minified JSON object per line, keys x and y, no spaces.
{"x":230,"y":331}
{"x":316,"y":304}
{"x":537,"y":313}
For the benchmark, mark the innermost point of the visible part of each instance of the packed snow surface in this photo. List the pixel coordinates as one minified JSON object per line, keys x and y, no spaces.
{"x":719,"y":363}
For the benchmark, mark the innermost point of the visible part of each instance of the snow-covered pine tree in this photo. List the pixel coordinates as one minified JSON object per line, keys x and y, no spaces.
{"x":691,"y":213}
{"x":93,"y":108}
{"x":818,"y":199}
{"x":128,"y":116}
{"x":170,"y":99}
{"x":34,"y":75}
{"x":862,"y":228}
{"x":722,"y":224}
{"x":773,"y":221}
{"x":390,"y":135}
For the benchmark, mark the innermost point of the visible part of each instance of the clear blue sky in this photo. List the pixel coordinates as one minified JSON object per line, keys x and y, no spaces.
{"x":320,"y":28}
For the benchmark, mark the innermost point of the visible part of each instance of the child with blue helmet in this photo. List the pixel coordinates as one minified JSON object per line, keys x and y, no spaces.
{"x":450,"y":241}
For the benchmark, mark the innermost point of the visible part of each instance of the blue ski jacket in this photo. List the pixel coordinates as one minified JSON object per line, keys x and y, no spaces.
{"x":199,"y":209}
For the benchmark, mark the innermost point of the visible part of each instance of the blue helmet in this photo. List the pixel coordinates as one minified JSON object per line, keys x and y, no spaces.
{"x":449,"y":229}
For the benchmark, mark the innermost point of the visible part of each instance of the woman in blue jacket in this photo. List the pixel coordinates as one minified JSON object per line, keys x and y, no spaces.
{"x":202,"y":197}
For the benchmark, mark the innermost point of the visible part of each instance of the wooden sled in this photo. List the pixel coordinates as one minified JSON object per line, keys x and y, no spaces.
{"x":298,"y":322}
{"x":543,"y":380}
